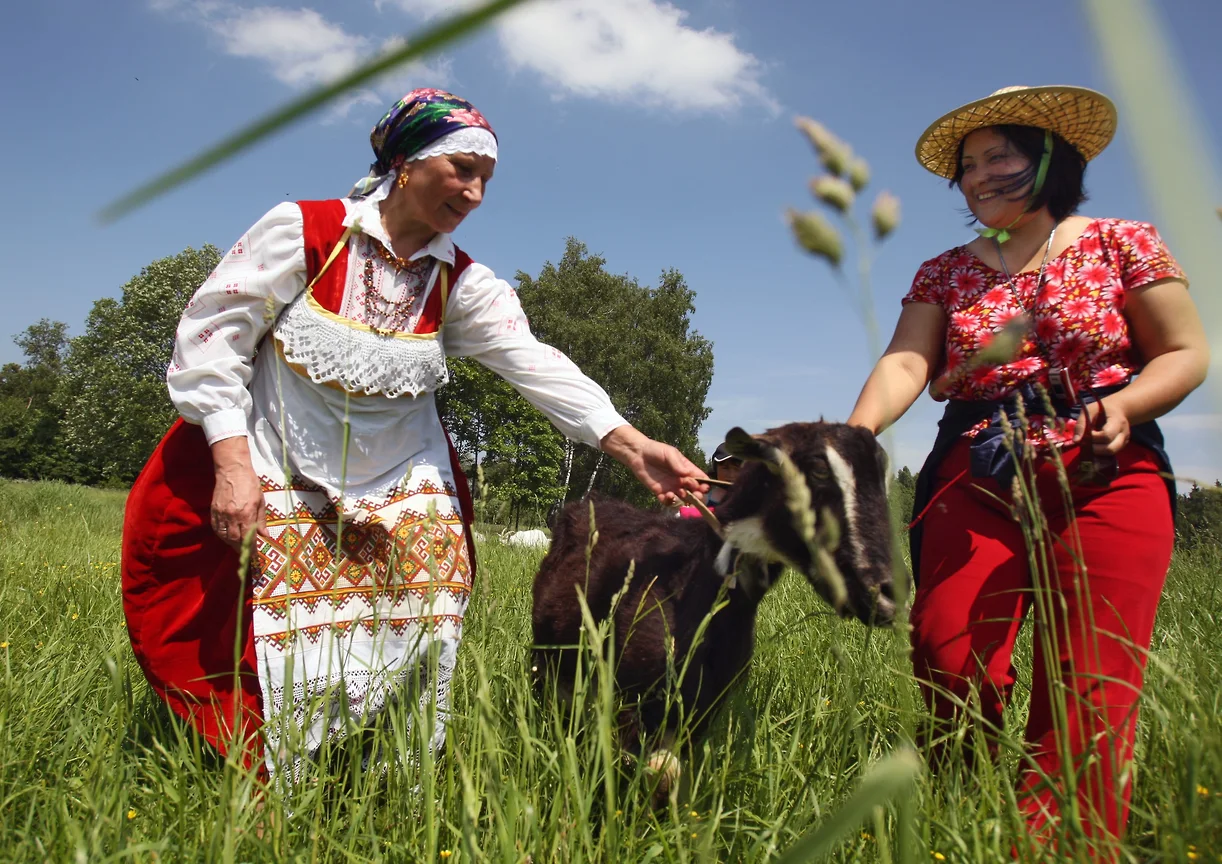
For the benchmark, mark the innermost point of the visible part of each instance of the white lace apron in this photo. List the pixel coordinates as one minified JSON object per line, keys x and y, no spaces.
{"x":348,"y":444}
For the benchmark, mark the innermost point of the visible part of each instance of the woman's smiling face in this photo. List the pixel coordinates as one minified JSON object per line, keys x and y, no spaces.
{"x":991,"y":166}
{"x":442,"y":190}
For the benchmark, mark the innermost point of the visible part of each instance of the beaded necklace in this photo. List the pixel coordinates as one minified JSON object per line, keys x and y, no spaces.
{"x":392,"y":315}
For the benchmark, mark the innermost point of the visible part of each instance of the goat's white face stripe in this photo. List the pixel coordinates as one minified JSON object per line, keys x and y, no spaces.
{"x":846,"y":479}
{"x":747,"y":535}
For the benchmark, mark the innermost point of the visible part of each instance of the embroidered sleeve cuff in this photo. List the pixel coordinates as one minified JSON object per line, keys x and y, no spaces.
{"x":229,"y":423}
{"x":599,"y":423}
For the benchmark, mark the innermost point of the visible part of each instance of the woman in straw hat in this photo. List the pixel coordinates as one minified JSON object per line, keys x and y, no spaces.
{"x":304,"y":369}
{"x":1034,"y":334}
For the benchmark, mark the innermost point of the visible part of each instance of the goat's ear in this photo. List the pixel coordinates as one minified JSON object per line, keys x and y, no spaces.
{"x":749,"y":448}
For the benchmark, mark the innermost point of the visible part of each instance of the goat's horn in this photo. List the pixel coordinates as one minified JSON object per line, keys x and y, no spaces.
{"x":747,"y":447}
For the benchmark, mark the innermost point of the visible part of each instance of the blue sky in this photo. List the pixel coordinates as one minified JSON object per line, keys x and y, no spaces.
{"x":659,"y":134}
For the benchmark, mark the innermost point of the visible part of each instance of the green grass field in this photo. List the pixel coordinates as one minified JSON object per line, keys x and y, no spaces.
{"x":92,"y":767}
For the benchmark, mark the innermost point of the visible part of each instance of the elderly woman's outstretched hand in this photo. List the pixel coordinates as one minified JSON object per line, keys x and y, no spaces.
{"x":662,"y":469}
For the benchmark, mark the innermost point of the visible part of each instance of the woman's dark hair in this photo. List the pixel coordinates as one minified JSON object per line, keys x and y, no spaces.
{"x":1062,"y":193}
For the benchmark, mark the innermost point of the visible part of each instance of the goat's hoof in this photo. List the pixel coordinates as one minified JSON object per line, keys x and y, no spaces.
{"x":663,"y":767}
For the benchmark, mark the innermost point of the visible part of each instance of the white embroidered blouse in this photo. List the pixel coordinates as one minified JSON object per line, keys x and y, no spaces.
{"x":264,"y":274}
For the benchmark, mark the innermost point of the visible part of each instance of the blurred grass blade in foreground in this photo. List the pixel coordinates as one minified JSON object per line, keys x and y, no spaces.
{"x":1169,"y":142}
{"x":432,"y":39}
{"x":890,"y":777}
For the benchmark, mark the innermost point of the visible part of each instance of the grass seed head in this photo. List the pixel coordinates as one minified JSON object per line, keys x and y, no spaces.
{"x":1005,"y":345}
{"x":797,"y":495}
{"x":859,"y":173}
{"x":817,"y":236}
{"x":835,"y":155}
{"x":886,"y":214}
{"x":833,"y":191}
{"x":829,"y":530}
{"x":819,"y":136}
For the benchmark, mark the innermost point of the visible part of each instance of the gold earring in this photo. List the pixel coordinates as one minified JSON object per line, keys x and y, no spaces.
{"x":401,"y":180}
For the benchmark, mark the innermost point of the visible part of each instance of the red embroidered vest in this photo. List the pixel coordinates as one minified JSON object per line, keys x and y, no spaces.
{"x":324,"y":225}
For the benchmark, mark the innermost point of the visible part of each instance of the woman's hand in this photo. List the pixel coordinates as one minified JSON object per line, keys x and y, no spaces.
{"x":662,"y":469}
{"x":237,"y":498}
{"x":1108,"y":436}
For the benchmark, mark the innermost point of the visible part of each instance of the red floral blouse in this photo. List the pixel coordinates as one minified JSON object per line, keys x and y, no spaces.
{"x":1079,"y":313}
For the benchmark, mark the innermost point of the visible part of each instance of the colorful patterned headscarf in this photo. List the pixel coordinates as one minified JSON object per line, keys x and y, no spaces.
{"x":413,"y":128}
{"x":416,"y":121}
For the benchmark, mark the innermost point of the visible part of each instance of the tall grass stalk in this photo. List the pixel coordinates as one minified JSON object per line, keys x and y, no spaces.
{"x":1161,"y":118}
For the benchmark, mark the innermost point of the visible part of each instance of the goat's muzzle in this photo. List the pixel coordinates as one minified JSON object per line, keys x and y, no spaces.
{"x":880,"y":608}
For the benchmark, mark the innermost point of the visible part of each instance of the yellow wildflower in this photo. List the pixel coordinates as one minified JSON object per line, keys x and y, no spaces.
{"x":131,"y":814}
{"x":695,"y":815}
{"x":1201,"y":790}
{"x":446,"y":853}
{"x":938,"y":856}
{"x":4,"y":644}
{"x":75,"y":616}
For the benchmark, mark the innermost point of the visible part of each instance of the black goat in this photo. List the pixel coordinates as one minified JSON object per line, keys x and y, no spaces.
{"x":793,"y":479}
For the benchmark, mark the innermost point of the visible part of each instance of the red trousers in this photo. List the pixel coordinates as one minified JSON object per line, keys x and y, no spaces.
{"x":1093,"y":623}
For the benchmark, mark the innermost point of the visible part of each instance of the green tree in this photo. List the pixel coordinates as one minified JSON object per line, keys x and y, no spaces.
{"x":636,"y":342}
{"x":524,"y":454}
{"x":112,"y":391}
{"x":471,"y":405}
{"x":30,"y":444}
{"x":903,"y":491}
{"x":1198,"y":517}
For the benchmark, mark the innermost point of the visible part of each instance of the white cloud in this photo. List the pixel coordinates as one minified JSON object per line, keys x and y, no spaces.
{"x":622,"y":50}
{"x":300,"y":47}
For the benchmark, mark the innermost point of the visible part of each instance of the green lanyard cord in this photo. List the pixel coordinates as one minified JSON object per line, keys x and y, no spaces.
{"x":1001,"y":235}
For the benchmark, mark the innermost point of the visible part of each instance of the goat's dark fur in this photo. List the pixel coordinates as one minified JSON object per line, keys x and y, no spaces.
{"x":676,"y":580}
{"x":674,"y":586}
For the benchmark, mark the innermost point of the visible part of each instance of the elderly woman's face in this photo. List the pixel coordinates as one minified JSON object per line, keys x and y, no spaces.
{"x":442,"y":190}
{"x":990,"y":163}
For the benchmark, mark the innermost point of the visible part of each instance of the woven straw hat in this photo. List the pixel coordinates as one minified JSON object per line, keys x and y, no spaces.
{"x":1083,"y":117}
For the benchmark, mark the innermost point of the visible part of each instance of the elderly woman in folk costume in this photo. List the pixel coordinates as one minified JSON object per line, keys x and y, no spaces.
{"x":305,"y":368}
{"x":1092,"y":302}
